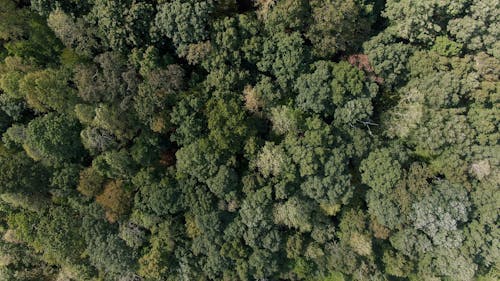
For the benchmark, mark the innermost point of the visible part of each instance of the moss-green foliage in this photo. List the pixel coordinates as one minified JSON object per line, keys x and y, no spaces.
{"x":53,"y":138}
{"x":323,"y":140}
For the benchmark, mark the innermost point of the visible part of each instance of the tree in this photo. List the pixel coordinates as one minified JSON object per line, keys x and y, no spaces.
{"x":14,"y":136}
{"x":439,"y":215}
{"x":423,"y":22}
{"x":199,"y":160}
{"x":443,"y":129}
{"x":476,"y":30}
{"x":157,"y":193}
{"x":294,"y":213}
{"x":106,"y":251}
{"x":256,"y":215}
{"x":13,"y":23}
{"x":286,"y":120}
{"x":188,"y":119}
{"x":48,"y":90}
{"x":381,"y":170}
{"x":228,"y":124}
{"x":479,"y":236}
{"x":113,"y":66}
{"x":66,"y":178}
{"x":90,"y":183}
{"x":59,"y":236}
{"x":268,"y":94}
{"x":158,"y":262}
{"x":33,"y":201}
{"x":446,"y":47}
{"x":22,"y":264}
{"x":132,"y":234}
{"x":315,"y":92}
{"x":44,"y":7}
{"x":103,"y":81}
{"x":53,"y":138}
{"x":22,"y":174}
{"x":225,"y":183}
{"x":40,"y":45}
{"x":285,"y":56}
{"x":171,"y":21}
{"x":262,"y":264}
{"x":272,"y":160}
{"x":147,"y":149}
{"x":332,"y":186}
{"x":115,"y":164}
{"x":289,"y":15}
{"x":226,"y":38}
{"x":97,"y":140}
{"x":115,"y":199}
{"x":138,"y":21}
{"x":73,"y":33}
{"x":389,"y":57}
{"x":113,"y":121}
{"x":13,"y":70}
{"x":435,"y":235}
{"x":156,"y":96}
{"x":109,"y":18}
{"x":353,"y":232}
{"x":249,"y":140}
{"x":337,"y":26}
{"x":337,"y":89}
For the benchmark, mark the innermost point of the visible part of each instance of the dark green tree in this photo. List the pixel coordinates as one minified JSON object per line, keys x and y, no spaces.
{"x":53,"y":138}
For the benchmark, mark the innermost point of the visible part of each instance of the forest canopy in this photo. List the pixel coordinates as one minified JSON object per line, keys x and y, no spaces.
{"x":238,"y":140}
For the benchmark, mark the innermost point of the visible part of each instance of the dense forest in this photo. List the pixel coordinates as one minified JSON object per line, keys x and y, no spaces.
{"x":196,"y":140}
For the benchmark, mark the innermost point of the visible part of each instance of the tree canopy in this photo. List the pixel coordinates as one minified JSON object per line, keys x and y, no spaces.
{"x":316,"y":140}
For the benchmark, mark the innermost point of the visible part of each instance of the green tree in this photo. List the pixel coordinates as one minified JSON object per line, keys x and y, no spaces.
{"x":422,"y":22}
{"x":285,"y":56}
{"x":288,"y":15}
{"x":156,"y":95}
{"x":294,"y":213}
{"x":13,"y":23}
{"x":187,"y":117}
{"x":158,"y":262}
{"x":66,"y":178}
{"x":114,"y":122}
{"x":338,"y":26}
{"x":389,"y":57}
{"x":315,"y":91}
{"x":40,"y":45}
{"x":477,"y":29}
{"x":73,"y":33}
{"x":44,"y":7}
{"x":20,"y":173}
{"x":139,"y":18}
{"x":90,"y":182}
{"x":157,"y":193}
{"x":115,"y":164}
{"x":171,"y":21}
{"x":109,"y":19}
{"x":59,"y":236}
{"x":106,"y":251}
{"x":53,"y":138}
{"x":381,"y":170}
{"x":336,"y":89}
{"x":228,"y":124}
{"x":198,"y":159}
{"x":48,"y":90}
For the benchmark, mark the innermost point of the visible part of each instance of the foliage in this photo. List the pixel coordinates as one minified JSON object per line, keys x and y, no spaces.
{"x":53,"y":138}
{"x":227,"y":140}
